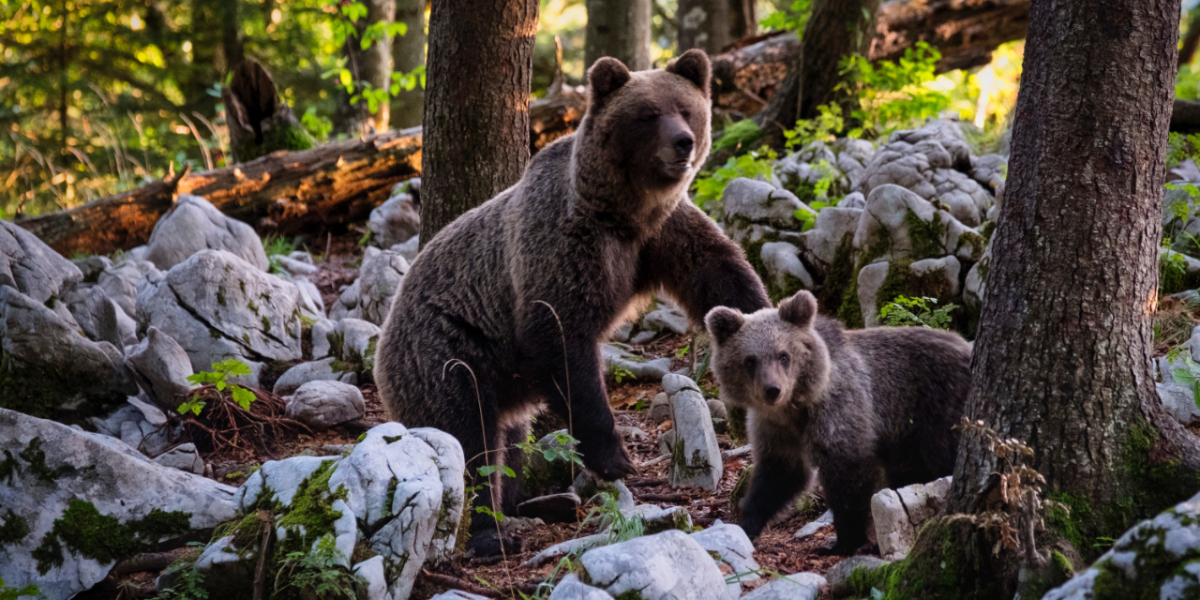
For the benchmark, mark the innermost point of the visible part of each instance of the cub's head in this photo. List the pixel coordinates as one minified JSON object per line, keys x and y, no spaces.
{"x":649,"y":126}
{"x":770,"y":358}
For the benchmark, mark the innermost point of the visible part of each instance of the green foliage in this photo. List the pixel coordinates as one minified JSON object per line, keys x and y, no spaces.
{"x":9,"y":593}
{"x":1173,"y":273}
{"x":743,"y":134}
{"x":219,"y":377}
{"x":189,"y":582}
{"x":345,"y":29}
{"x":825,"y":128}
{"x":620,"y":374}
{"x":606,"y":513}
{"x":829,"y":175}
{"x":905,"y":311}
{"x":563,"y":449}
{"x":795,"y":18}
{"x":1187,"y":375}
{"x":275,"y":246}
{"x":1181,"y":147}
{"x":317,"y":572}
{"x":891,"y":95}
{"x":707,"y":189}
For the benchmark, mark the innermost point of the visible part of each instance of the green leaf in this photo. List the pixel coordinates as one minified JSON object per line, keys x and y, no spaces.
{"x":242,"y":396}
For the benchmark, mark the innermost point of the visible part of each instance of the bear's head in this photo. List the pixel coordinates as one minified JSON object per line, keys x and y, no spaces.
{"x":772,"y":359}
{"x":645,"y":134}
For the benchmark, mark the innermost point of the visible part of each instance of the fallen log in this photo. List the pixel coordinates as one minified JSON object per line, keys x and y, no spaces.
{"x":285,"y":192}
{"x":964,"y":31}
{"x":305,"y":191}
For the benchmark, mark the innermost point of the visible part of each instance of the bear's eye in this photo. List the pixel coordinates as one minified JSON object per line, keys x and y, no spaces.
{"x":686,"y":115}
{"x":784,"y":359}
{"x":647,"y":114}
{"x":750,"y":363}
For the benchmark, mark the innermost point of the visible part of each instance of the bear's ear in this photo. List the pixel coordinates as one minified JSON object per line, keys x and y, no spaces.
{"x":694,"y":66}
{"x":799,"y":310}
{"x":606,"y":76}
{"x":722,"y":322}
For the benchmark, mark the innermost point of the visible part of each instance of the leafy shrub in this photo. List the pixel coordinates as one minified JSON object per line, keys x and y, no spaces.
{"x":219,"y":377}
{"x":707,"y":189}
{"x":794,"y":18}
{"x":891,"y":95}
{"x":737,"y":136}
{"x":905,"y":311}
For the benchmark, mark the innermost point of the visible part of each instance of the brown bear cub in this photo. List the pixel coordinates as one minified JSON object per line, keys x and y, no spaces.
{"x":855,"y":405}
{"x":504,"y":311}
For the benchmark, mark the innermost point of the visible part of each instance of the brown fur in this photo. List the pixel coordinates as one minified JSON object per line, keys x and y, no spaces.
{"x":866,"y":407}
{"x":506,"y":307}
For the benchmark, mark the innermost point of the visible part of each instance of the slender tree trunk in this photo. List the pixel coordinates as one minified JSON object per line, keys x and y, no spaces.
{"x":714,"y":25}
{"x":620,"y":29}
{"x":1191,"y":40}
{"x":476,"y":126}
{"x":837,"y":28}
{"x":372,"y":69}
{"x":408,"y":53}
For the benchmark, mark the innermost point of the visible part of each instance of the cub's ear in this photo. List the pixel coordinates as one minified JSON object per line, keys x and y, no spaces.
{"x":694,"y":66}
{"x":723,"y":322}
{"x":606,"y":76}
{"x":799,"y":310}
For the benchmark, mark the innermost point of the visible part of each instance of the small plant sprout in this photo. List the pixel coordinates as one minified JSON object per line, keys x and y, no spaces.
{"x":218,"y":377}
{"x":621,"y":374}
{"x":1189,"y":374}
{"x":916,"y":312}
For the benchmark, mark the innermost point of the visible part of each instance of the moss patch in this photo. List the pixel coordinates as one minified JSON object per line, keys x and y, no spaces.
{"x":14,"y":529}
{"x":285,"y":136}
{"x":83,"y":529}
{"x":926,"y":236}
{"x":840,"y":277}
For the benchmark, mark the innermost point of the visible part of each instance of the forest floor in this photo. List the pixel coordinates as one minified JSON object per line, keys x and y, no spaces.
{"x":777,"y":550}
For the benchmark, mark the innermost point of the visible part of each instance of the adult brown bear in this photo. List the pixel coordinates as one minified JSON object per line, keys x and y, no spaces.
{"x":504,"y":311}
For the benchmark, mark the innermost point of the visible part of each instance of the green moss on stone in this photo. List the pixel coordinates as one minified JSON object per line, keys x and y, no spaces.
{"x":286,"y":136}
{"x":740,"y":489}
{"x":14,"y":529}
{"x":1069,"y":520}
{"x":926,"y":236}
{"x":737,"y":425}
{"x":83,"y":529}
{"x":839,"y":277}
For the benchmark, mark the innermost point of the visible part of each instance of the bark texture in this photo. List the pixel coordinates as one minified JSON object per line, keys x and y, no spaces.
{"x":288,"y":192}
{"x":714,"y":25}
{"x":1063,"y":358}
{"x":620,"y":29}
{"x":372,"y":68}
{"x":408,"y":53}
{"x":837,"y":28}
{"x":477,"y":105}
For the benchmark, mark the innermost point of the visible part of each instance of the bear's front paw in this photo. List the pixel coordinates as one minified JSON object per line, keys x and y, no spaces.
{"x":840,"y":548}
{"x":611,"y":466}
{"x":489,"y":542}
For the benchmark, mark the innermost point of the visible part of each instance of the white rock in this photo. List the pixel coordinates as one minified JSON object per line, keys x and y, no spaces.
{"x":32,"y":267}
{"x":125,"y":279}
{"x":373,"y":581}
{"x":899,"y":514}
{"x":666,"y":566}
{"x":617,"y":358}
{"x":570,"y":588}
{"x":784,"y":269}
{"x":1179,"y":400}
{"x":183,"y":457}
{"x":162,"y":368}
{"x":695,"y":457}
{"x":667,"y":317}
{"x":408,"y":249}
{"x":194,"y":224}
{"x":319,"y":370}
{"x":886,"y":223}
{"x":734,"y":548}
{"x":799,"y":586}
{"x":217,"y":306}
{"x":825,"y":519}
{"x":835,"y":226}
{"x":455,"y":595}
{"x":759,"y":202}
{"x":46,"y":354}
{"x":394,"y":221}
{"x":323,"y":404}
{"x":89,"y":471}
{"x":370,"y":297}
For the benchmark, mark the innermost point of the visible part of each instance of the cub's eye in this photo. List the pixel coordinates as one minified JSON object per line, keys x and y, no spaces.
{"x":686,"y":114}
{"x":750,"y":363}
{"x":784,"y":359}
{"x":647,"y":114}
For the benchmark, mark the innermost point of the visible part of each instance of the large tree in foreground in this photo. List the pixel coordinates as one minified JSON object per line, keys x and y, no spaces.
{"x":1063,"y":358}
{"x":476,"y":126}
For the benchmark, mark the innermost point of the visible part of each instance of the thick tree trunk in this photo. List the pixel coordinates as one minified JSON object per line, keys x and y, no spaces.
{"x":620,"y":29}
{"x":288,"y":192}
{"x":837,"y":29}
{"x":477,"y":105}
{"x":408,"y":53}
{"x":1063,"y":359}
{"x":714,"y":25}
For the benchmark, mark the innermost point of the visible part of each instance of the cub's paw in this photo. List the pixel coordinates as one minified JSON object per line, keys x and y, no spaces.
{"x":838,"y":548}
{"x":489,"y":542}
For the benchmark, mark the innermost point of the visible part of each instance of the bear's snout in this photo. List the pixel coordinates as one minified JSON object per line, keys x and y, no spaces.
{"x":684,"y":144}
{"x":772,"y":393}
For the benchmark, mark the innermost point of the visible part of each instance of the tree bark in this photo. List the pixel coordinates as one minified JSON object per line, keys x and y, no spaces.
{"x":287,"y":192}
{"x":372,"y":69}
{"x":1063,"y":358}
{"x":408,"y":53}
{"x":477,"y":105}
{"x":714,"y":25}
{"x":837,"y":29}
{"x":620,"y":29}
